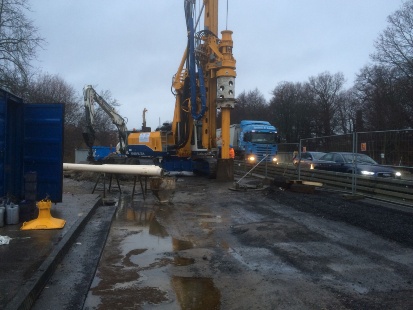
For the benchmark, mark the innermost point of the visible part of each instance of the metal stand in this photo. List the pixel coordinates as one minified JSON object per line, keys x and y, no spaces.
{"x":117,"y":181}
{"x":104,"y":183}
{"x":144,"y":190}
{"x":143,"y":180}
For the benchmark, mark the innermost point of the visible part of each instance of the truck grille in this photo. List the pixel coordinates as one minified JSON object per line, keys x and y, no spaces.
{"x":262,"y":151}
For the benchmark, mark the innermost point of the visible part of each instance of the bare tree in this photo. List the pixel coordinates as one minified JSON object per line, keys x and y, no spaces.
{"x":394,"y":47}
{"x":382,"y":97}
{"x":325,"y":89}
{"x":18,"y":43}
{"x":291,"y":111}
{"x":283,"y":109}
{"x":251,"y":105}
{"x":348,"y":112}
{"x":404,"y":89}
{"x":394,"y":53}
{"x":47,"y":88}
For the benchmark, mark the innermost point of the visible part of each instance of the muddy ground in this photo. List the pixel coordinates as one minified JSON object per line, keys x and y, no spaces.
{"x":211,"y":247}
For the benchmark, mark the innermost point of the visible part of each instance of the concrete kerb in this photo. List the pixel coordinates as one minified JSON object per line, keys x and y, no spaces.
{"x":28,"y":293}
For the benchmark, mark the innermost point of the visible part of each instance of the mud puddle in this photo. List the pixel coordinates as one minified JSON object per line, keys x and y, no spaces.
{"x":134,"y":268}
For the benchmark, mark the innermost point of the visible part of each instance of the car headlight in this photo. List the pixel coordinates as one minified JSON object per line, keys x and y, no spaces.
{"x":274,"y":160}
{"x":398,"y":174}
{"x":251,"y":158}
{"x":365,"y":172}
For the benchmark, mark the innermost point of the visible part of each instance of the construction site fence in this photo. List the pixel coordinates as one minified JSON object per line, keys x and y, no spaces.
{"x":391,"y":147}
{"x":389,"y":189}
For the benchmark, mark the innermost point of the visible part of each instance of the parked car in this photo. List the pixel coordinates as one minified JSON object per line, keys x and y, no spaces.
{"x":346,"y":162}
{"x":307,"y":158}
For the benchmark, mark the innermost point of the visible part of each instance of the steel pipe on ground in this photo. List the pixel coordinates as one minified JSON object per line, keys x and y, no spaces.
{"x":147,"y":170}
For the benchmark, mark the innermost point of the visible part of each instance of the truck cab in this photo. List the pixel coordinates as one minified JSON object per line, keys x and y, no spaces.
{"x":257,"y":140}
{"x":253,"y":141}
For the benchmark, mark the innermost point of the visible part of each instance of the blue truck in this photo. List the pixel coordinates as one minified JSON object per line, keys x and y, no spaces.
{"x":253,"y":140}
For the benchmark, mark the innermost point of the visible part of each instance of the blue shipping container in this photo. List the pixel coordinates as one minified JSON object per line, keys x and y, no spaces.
{"x":31,"y":140}
{"x":11,"y":142}
{"x":43,"y":148}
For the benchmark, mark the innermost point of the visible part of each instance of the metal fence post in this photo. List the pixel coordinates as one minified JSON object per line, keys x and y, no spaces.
{"x":354,"y":172}
{"x":299,"y":160}
{"x":266,"y":161}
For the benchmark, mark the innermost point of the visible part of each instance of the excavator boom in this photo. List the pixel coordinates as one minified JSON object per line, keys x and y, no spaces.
{"x":90,"y":96}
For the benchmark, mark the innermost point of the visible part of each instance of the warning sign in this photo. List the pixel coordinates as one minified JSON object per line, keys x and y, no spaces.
{"x":363,"y":147}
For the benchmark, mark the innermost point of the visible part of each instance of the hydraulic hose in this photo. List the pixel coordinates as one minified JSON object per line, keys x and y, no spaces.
{"x":193,"y":65}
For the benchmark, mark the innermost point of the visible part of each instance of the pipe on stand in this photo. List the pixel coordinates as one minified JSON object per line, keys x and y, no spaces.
{"x":138,"y":171}
{"x":143,"y":170}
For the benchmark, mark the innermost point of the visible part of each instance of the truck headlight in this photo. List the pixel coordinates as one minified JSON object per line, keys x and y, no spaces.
{"x":251,"y":158}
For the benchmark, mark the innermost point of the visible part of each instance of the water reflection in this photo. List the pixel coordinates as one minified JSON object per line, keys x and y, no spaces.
{"x":196,"y":293}
{"x":181,"y":245}
{"x":133,"y":271}
{"x":183,"y":261}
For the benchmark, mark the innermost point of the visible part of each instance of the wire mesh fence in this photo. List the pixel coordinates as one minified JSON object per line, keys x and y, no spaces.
{"x":393,"y":147}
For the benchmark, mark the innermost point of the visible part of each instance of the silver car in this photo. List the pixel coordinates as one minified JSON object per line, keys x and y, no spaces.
{"x":307,"y":158}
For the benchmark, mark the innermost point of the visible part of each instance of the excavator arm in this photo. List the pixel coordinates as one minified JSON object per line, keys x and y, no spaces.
{"x":90,"y":96}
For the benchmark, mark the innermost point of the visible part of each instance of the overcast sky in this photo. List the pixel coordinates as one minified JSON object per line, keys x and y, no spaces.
{"x":133,"y":47}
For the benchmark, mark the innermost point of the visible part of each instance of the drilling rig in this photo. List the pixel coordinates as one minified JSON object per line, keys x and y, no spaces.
{"x":203,"y":85}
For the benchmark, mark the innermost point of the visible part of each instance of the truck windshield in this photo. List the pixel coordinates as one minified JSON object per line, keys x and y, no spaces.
{"x":262,"y":137}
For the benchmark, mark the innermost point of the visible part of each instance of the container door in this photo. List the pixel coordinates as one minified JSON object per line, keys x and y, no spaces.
{"x":43,"y":148}
{"x":11,"y":136}
{"x":2,"y":143}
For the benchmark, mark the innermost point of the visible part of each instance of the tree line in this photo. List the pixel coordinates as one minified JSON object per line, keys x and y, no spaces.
{"x":19,"y":43}
{"x":380,"y":99}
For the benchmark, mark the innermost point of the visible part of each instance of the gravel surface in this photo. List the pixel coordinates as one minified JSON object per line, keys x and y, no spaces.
{"x":386,"y":220}
{"x":263,"y":248}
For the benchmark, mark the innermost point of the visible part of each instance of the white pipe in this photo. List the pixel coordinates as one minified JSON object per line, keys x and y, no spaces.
{"x":150,"y":170}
